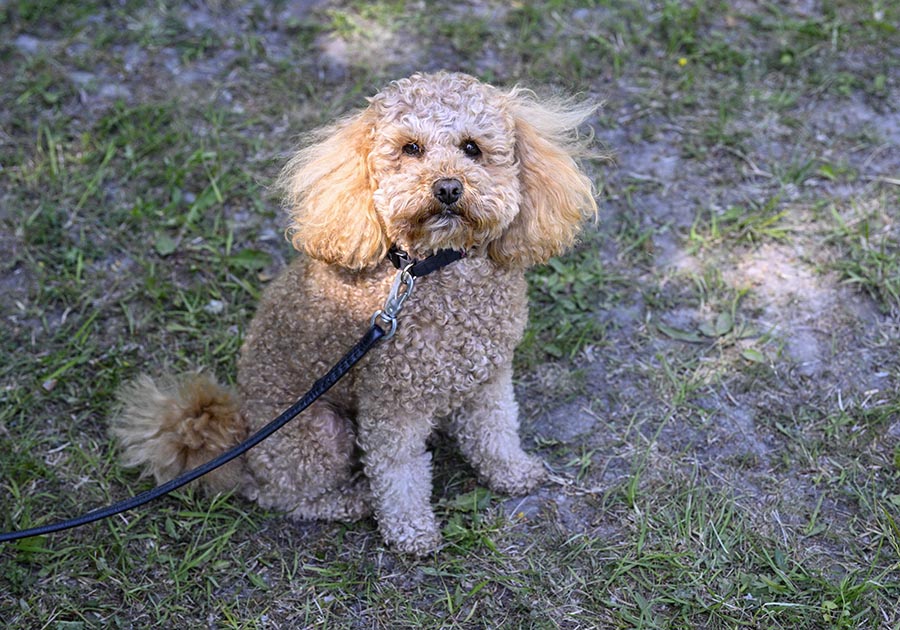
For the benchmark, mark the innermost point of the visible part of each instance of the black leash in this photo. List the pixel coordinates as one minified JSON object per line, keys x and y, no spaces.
{"x":409,"y":269}
{"x":366,"y":343}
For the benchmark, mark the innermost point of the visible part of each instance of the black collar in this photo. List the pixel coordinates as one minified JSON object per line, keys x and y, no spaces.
{"x":418,"y":268}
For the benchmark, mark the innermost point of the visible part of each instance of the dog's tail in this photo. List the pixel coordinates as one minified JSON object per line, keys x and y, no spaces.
{"x":169,"y":427}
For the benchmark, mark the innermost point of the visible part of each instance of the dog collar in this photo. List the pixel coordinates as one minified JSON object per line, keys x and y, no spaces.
{"x":418,"y":268}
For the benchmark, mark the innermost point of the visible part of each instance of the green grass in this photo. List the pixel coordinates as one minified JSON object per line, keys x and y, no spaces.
{"x":869,"y":248}
{"x":565,"y":297}
{"x":719,"y":353}
{"x":740,"y":225}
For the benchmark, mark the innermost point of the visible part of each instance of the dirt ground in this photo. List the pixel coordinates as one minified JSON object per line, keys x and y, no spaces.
{"x":713,"y":376}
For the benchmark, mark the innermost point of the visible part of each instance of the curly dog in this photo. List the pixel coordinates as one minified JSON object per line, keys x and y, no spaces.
{"x":435,"y":161}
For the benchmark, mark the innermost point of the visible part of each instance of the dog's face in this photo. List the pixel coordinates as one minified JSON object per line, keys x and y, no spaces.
{"x":443,"y":163}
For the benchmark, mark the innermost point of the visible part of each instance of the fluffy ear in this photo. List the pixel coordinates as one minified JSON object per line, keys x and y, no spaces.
{"x":556,"y":195}
{"x":328,"y":193}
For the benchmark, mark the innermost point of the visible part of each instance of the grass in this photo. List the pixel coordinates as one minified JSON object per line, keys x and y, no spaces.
{"x":870,"y":258}
{"x":565,"y":297}
{"x":719,"y":353}
{"x":737,"y":224}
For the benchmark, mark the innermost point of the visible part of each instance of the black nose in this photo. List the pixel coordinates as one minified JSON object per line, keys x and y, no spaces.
{"x":447,"y":190}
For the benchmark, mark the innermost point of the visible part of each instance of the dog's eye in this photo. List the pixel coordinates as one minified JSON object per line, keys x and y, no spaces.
{"x":412,"y":148}
{"x":470,"y":148}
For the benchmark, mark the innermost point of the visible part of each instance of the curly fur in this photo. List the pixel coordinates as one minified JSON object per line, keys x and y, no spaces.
{"x":182,"y":426}
{"x":362,"y":184}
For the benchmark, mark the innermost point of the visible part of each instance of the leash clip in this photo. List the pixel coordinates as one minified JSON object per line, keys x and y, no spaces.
{"x":402,"y":288}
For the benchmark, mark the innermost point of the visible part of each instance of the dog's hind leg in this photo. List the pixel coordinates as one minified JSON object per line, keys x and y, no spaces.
{"x":309,"y":467}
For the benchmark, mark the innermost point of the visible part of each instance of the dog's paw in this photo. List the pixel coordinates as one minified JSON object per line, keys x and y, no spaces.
{"x":417,"y":538}
{"x":518,"y":477}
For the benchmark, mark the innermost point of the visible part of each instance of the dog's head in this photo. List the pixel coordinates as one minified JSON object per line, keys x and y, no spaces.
{"x":442,"y":161}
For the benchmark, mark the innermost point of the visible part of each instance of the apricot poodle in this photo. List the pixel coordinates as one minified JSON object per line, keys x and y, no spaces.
{"x":435,"y":161}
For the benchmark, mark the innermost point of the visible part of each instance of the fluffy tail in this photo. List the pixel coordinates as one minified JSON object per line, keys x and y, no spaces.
{"x":170,"y":427}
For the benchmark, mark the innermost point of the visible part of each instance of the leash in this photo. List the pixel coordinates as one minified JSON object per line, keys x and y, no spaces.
{"x":409,"y":270}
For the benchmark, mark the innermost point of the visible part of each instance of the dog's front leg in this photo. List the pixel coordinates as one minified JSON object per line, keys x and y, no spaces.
{"x":487,"y":430}
{"x":398,"y":466}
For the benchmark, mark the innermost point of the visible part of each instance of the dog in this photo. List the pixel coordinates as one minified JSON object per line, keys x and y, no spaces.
{"x":435,"y":161}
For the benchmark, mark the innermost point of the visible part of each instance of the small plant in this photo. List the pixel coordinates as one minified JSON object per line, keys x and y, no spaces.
{"x":565,"y":297}
{"x":467,"y":526}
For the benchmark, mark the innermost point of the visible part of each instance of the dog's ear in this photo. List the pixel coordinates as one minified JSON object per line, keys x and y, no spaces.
{"x":556,"y":195}
{"x":328,"y":189}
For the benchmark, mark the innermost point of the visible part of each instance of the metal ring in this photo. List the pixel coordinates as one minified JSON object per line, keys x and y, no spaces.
{"x":387,"y":319}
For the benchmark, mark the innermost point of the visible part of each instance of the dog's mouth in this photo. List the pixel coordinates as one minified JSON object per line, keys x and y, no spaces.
{"x":439,"y":226}
{"x":436,"y":215}
{"x":455,"y":222}
{"x":443,"y":220}
{"x":446,"y":212}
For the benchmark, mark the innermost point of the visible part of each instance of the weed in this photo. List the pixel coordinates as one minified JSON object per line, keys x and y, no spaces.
{"x":565,"y":296}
